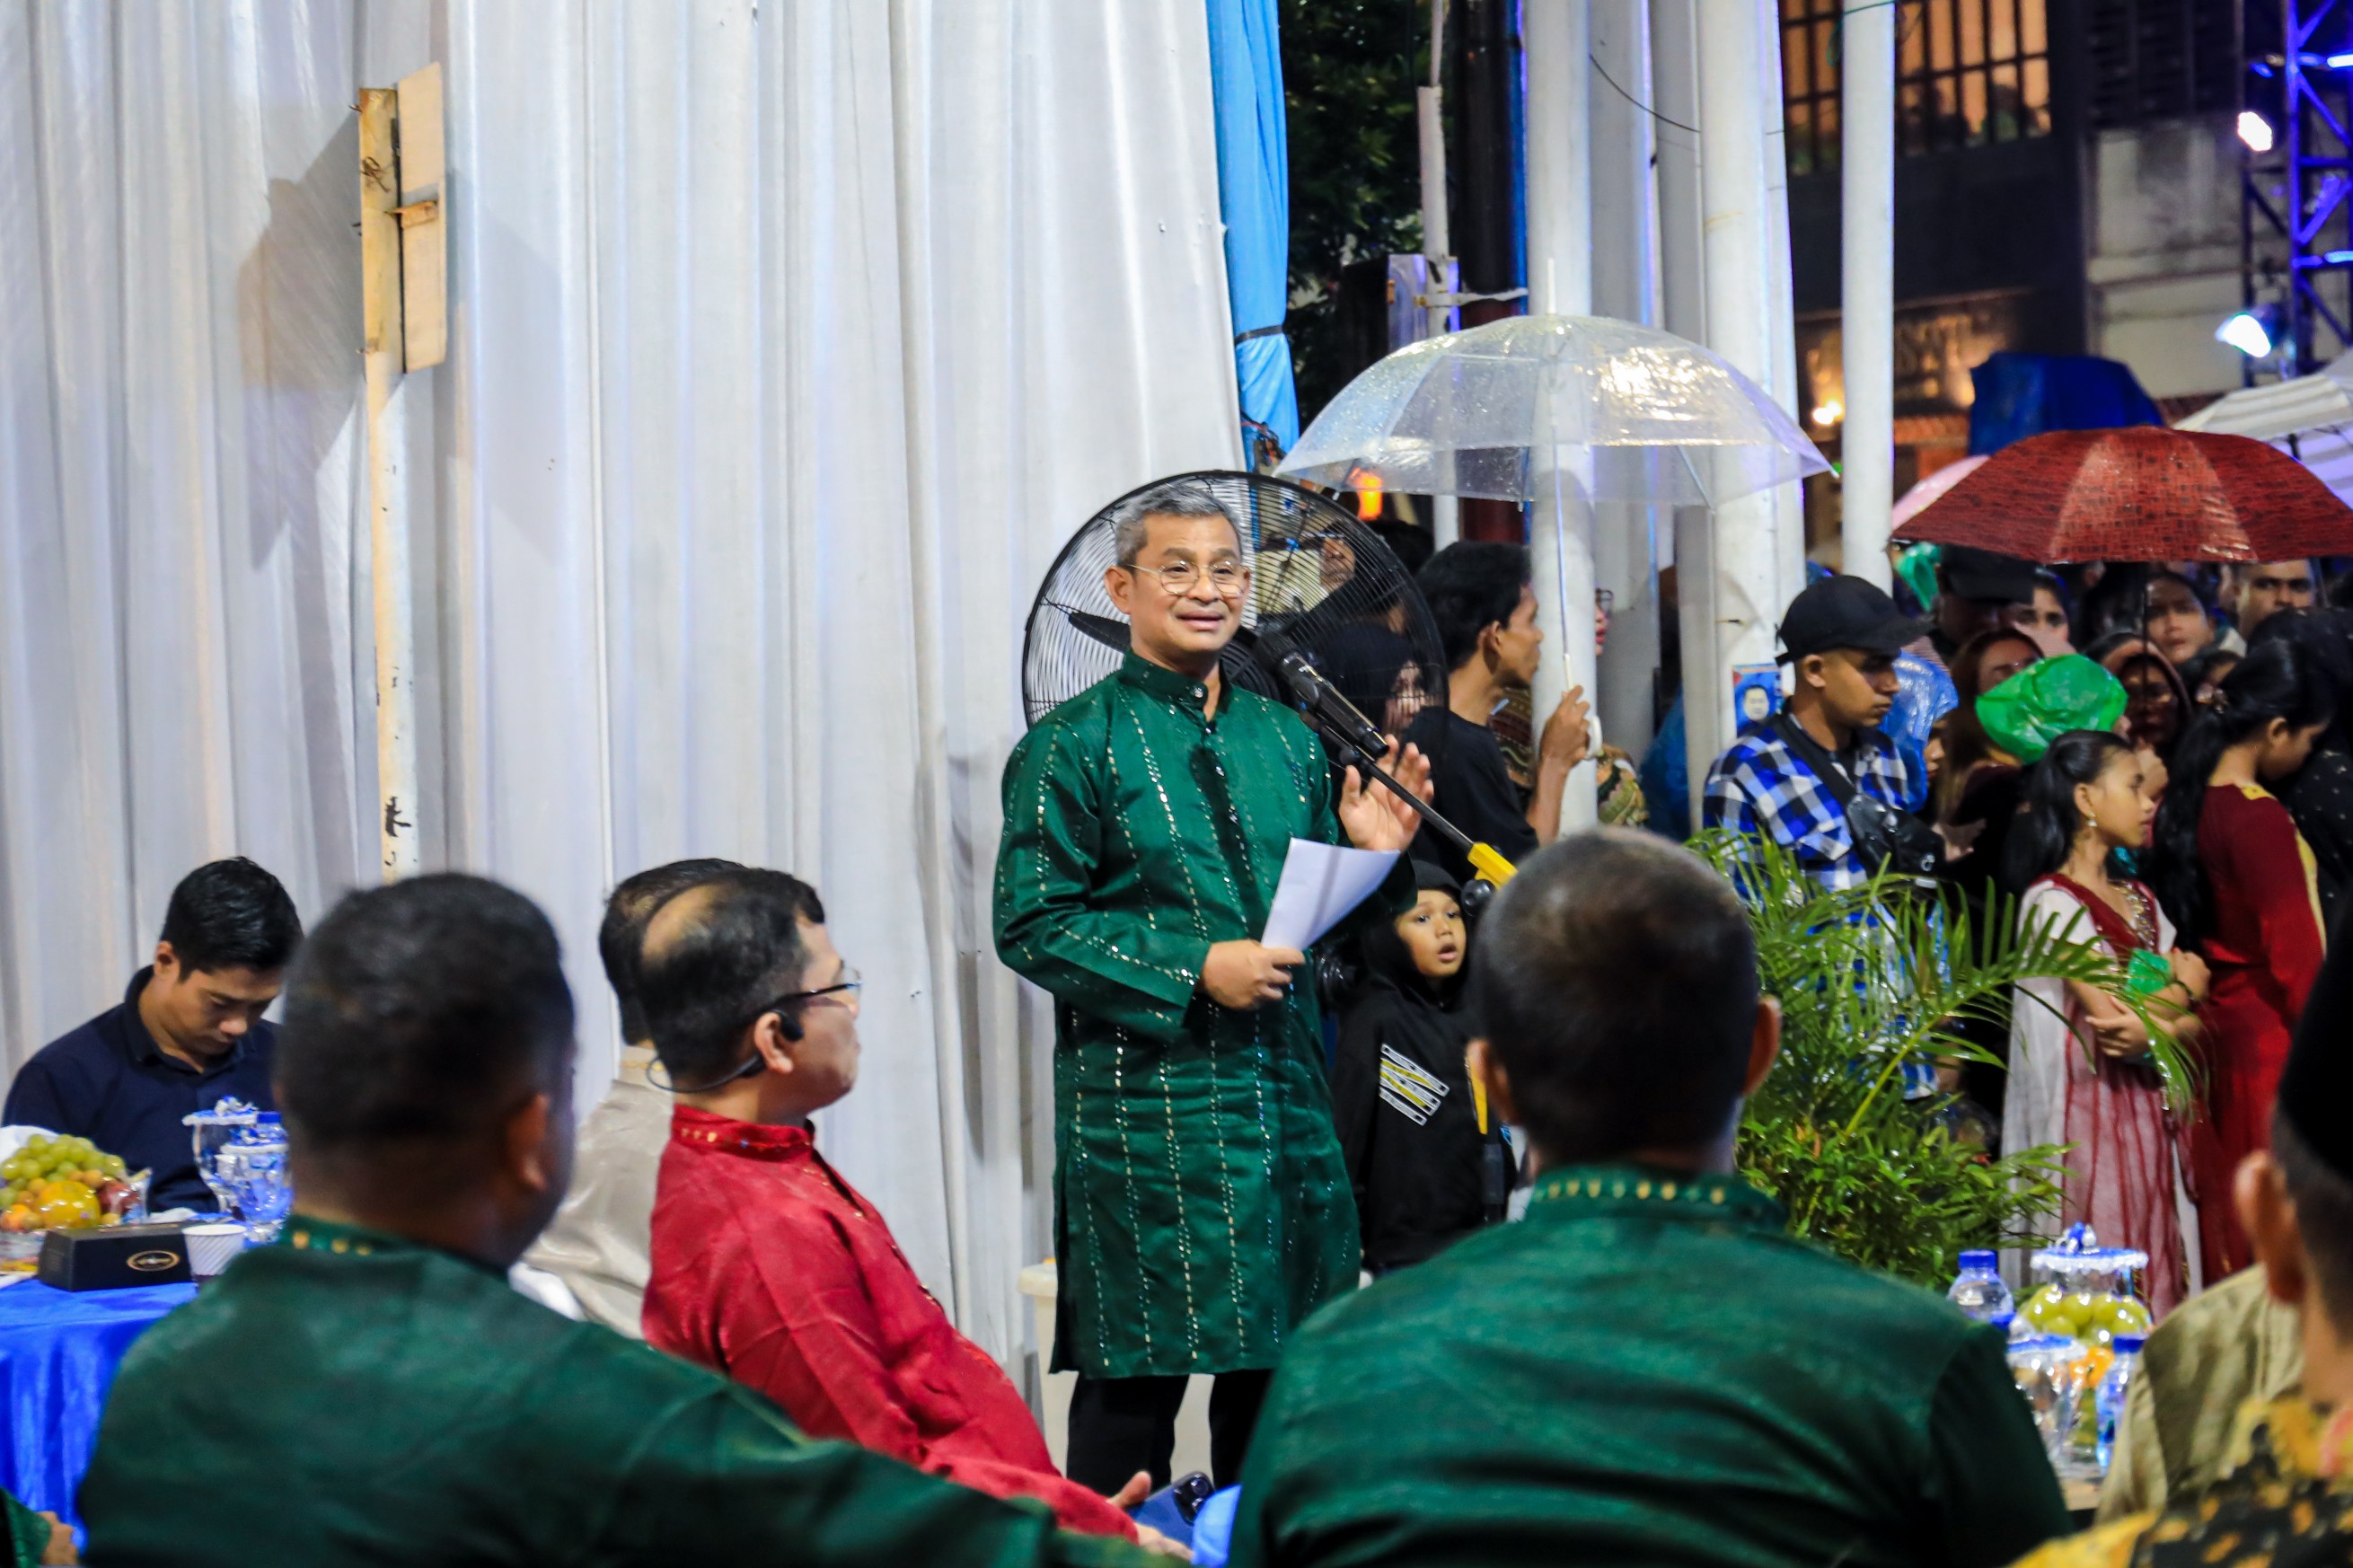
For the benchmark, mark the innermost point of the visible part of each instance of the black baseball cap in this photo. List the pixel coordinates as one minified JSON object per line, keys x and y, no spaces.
{"x":1845,"y":611}
{"x":1980,"y":575}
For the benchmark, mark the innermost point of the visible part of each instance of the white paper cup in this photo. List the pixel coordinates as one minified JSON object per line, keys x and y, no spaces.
{"x":211,"y":1246}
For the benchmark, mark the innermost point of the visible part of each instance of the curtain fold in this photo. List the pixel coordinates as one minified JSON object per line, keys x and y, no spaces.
{"x":788,"y":341}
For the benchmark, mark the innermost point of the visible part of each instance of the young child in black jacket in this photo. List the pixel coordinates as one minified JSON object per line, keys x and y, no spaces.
{"x":1423,"y":1171}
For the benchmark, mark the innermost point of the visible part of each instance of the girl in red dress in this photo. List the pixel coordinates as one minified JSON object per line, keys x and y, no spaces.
{"x":2237,"y":881}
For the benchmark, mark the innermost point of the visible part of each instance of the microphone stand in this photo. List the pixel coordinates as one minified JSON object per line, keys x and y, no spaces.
{"x":1330,"y":714}
{"x":1340,"y":721}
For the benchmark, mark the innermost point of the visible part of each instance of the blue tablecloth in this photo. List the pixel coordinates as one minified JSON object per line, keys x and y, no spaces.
{"x":58,"y":1352}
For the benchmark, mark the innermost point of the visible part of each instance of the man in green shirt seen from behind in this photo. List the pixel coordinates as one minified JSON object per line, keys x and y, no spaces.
{"x":1647,"y":1369}
{"x":370,"y":1390}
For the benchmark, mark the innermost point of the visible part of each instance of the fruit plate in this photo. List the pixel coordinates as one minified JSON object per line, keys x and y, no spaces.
{"x":49,"y":1181}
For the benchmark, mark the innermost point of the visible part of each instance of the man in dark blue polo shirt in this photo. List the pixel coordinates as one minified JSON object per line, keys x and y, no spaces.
{"x":189,"y":1030}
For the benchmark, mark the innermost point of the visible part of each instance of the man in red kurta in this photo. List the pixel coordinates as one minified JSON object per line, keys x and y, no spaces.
{"x":769,"y":1267}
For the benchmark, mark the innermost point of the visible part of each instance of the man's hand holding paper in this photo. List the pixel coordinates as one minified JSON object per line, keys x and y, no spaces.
{"x":1246,"y":974}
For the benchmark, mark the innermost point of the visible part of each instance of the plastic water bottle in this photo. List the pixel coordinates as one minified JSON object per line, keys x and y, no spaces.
{"x":1978,"y":1289}
{"x":2110,"y":1399}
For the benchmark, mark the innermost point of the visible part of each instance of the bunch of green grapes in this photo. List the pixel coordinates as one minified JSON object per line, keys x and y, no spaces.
{"x":47,"y":1157}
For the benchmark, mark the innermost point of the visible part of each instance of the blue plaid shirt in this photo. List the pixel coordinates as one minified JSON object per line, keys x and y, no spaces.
{"x":1762,"y":786}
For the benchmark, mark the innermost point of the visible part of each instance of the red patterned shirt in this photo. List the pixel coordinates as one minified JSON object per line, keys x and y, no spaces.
{"x":770,"y":1267}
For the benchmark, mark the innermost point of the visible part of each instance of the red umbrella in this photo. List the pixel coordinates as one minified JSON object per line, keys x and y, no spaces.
{"x":2139,"y":494}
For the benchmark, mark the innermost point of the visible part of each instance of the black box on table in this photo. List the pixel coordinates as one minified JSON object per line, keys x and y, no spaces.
{"x":110,"y":1258}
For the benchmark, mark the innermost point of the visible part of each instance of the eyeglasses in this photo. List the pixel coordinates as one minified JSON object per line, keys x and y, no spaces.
{"x":846,"y":987}
{"x":1604,"y":600}
{"x":1229,"y":578}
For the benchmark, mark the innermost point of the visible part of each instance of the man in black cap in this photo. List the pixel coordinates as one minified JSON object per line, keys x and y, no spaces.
{"x":2287,"y":1493}
{"x":1787,"y":776}
{"x":1974,"y":588}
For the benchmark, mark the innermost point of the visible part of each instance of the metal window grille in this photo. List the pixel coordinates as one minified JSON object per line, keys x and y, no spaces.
{"x":2160,"y":59}
{"x":1967,"y":73}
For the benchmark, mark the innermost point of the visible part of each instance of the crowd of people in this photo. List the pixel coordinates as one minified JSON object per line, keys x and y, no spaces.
{"x":1643,"y":1366}
{"x":2174,"y":792}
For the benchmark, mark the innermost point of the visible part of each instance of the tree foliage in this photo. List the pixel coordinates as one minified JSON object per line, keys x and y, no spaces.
{"x":1349,"y":70}
{"x":1870,"y":979}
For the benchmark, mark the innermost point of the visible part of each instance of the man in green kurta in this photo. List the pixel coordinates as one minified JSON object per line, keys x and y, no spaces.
{"x":1647,"y":1369}
{"x":370,"y":1390}
{"x":1201,"y":1206}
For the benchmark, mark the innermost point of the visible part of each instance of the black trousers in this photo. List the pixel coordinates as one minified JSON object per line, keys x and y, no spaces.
{"x":1122,"y":1425}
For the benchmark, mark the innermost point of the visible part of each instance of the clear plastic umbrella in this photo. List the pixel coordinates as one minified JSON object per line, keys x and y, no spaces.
{"x":1503,"y":410}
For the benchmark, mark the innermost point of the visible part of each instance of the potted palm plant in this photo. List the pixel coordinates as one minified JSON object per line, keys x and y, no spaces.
{"x":1871,"y":978}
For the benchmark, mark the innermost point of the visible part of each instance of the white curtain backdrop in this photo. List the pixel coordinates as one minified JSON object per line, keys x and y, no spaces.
{"x":788,"y":342}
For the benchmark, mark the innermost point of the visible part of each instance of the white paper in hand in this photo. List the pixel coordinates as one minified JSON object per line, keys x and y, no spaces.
{"x":1321,"y":883}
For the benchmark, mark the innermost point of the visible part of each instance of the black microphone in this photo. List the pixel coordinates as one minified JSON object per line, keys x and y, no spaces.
{"x":1334,"y":716}
{"x":1321,"y":697}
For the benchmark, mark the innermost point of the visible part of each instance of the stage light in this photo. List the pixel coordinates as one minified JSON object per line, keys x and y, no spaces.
{"x":1827,"y":412}
{"x":2255,"y":131}
{"x":2252,"y":333}
{"x":1368,"y":497}
{"x":2338,"y":62}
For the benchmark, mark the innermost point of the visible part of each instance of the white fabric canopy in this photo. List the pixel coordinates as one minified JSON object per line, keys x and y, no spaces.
{"x":2309,"y":418}
{"x":788,"y":341}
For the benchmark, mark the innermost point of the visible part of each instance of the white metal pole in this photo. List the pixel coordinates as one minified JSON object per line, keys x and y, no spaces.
{"x":1682,"y":310}
{"x":1674,"y":122}
{"x":1781,"y":364}
{"x":1445,"y":511}
{"x":1625,"y":285}
{"x":1743,"y":548}
{"x":1556,"y":40}
{"x":1557,"y":37}
{"x":1867,"y":288}
{"x":383,"y":351}
{"x":1431,"y":130}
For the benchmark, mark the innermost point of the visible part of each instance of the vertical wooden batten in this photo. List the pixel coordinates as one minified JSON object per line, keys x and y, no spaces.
{"x":402,"y":278}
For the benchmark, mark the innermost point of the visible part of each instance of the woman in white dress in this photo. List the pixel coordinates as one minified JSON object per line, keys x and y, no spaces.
{"x":2079,"y":1068}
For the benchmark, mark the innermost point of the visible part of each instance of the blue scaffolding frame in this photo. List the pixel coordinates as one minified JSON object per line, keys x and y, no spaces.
{"x":2295,"y":240}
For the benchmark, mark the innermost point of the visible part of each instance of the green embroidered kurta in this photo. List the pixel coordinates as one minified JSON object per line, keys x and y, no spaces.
{"x":1644,"y":1370}
{"x":1201,"y":1206}
{"x":349,"y":1397}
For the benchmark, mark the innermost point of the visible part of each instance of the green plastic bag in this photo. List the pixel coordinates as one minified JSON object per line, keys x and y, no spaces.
{"x":2147,"y":974}
{"x":1917,"y":567}
{"x":2041,"y":702}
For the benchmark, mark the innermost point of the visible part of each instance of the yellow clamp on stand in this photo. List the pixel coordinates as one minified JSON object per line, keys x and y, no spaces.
{"x":1498,"y":870}
{"x":1490,"y":865}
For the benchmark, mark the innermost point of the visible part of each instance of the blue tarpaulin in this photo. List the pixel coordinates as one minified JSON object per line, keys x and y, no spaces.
{"x":1254,"y":198}
{"x":2020,"y":396}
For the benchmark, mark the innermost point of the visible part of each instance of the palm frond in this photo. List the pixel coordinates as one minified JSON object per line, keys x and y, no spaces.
{"x":1870,"y":979}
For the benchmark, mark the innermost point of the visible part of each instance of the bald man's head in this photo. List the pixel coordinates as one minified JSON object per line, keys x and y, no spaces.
{"x":717,"y":957}
{"x":623,"y":933}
